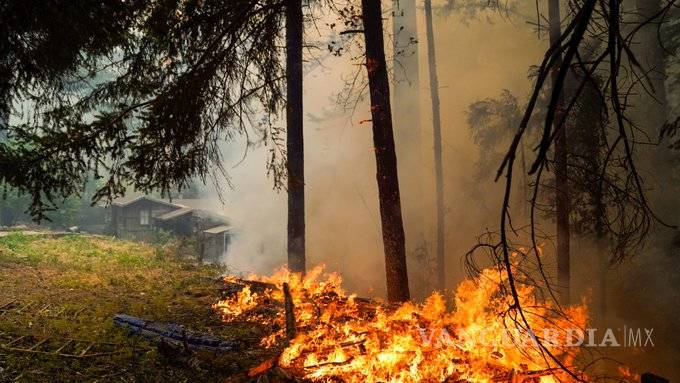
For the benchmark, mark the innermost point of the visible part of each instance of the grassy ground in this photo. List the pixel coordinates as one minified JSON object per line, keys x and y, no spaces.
{"x":56,"y":289}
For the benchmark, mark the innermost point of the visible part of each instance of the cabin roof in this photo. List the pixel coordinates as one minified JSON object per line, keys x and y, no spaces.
{"x":217,"y":229}
{"x":174,"y":214}
{"x":123,"y":202}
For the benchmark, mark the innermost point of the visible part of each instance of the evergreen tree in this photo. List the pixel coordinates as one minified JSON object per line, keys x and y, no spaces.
{"x":407,"y":129}
{"x":561,"y":177}
{"x":385,"y":155}
{"x":188,"y":74}
{"x":437,"y":139}
{"x":295,"y":141}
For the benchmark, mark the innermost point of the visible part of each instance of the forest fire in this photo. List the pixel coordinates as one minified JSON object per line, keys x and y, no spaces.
{"x":342,"y":337}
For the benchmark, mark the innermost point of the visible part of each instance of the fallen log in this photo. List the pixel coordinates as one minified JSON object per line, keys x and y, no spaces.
{"x":290,"y":313}
{"x":230,"y":287}
{"x":233,"y":286}
{"x":263,"y":367}
{"x":174,"y":333}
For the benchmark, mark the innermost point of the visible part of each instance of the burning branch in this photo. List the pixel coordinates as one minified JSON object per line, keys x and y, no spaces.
{"x":290,"y":313}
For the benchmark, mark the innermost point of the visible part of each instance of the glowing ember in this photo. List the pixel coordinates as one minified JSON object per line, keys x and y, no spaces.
{"x":357,"y":340}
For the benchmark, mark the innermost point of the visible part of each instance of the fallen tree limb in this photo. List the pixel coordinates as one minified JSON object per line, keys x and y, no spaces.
{"x":174,"y":333}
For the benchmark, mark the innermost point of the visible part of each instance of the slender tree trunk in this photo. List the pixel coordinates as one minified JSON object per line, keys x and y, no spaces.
{"x":561,"y":178}
{"x":601,"y":250}
{"x":524,"y":193}
{"x":588,"y":137}
{"x":651,"y":55}
{"x":5,"y":213}
{"x":385,"y":156}
{"x":437,"y":136}
{"x":594,"y":140}
{"x":406,"y":113}
{"x":651,"y":111}
{"x":295,"y":143}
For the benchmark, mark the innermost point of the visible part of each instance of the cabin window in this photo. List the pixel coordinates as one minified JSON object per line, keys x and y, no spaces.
{"x":143,"y":217}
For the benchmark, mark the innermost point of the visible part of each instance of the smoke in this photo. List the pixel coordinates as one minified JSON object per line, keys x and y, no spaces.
{"x":257,"y":213}
{"x":475,"y":60}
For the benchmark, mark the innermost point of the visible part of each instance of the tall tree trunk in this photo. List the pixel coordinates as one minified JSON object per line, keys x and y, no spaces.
{"x":437,"y":136}
{"x":592,"y":120}
{"x":295,"y":143}
{"x":652,"y":113}
{"x":385,"y":155}
{"x":407,"y":132}
{"x":587,"y":148}
{"x":601,"y":250}
{"x":561,"y":179}
{"x":5,"y":212}
{"x":589,"y":135}
{"x":651,"y":56}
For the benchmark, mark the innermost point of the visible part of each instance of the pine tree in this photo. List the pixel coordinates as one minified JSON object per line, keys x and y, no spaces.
{"x":385,"y":155}
{"x":561,"y":178}
{"x":187,"y":75}
{"x":437,"y":138}
{"x":295,"y":141}
{"x":406,"y":121}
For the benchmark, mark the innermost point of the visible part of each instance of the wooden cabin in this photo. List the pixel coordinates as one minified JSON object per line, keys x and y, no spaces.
{"x":134,"y":218}
{"x":142,"y":218}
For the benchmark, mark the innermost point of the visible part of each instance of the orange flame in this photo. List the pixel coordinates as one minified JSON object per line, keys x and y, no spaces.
{"x":358,"y":340}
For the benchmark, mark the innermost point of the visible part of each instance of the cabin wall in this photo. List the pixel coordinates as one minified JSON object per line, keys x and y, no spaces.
{"x":214,"y":246}
{"x":127,"y":220}
{"x":181,"y":226}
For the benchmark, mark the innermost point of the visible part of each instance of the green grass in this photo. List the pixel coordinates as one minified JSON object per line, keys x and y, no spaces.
{"x":73,"y":285}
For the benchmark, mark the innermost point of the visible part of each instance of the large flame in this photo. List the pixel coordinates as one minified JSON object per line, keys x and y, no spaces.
{"x":340,"y":336}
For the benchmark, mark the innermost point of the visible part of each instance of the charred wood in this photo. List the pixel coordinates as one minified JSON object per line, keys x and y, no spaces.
{"x":174,"y":334}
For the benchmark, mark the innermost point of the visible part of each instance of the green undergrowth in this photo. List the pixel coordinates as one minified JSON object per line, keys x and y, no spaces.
{"x":62,"y":288}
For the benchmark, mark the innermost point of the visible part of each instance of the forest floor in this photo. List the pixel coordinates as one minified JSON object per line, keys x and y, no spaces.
{"x":64,"y":291}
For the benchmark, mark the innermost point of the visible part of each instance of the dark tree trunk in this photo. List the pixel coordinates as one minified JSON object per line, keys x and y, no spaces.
{"x":406,"y":120}
{"x":6,"y":216}
{"x":437,"y":136}
{"x":295,"y":147}
{"x":651,"y":54}
{"x":587,"y":148}
{"x":385,"y":156}
{"x":593,"y":136}
{"x":561,"y":178}
{"x":601,"y":249}
{"x":651,"y":112}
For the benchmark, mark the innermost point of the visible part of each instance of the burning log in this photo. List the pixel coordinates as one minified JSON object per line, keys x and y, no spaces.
{"x":232,"y":286}
{"x":262,"y":367}
{"x":290,"y":313}
{"x":174,"y":334}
